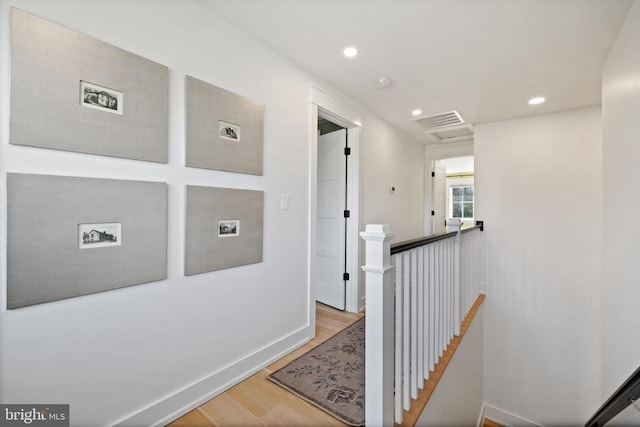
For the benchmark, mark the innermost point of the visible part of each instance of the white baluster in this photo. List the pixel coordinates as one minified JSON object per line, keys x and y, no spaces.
{"x":397,"y":262}
{"x":432,"y":308}
{"x":413,"y":343}
{"x":420,"y":330}
{"x":406,"y":329}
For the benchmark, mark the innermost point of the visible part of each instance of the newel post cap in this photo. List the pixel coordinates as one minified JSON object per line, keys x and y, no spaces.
{"x":377,"y":232}
{"x":378,"y":228}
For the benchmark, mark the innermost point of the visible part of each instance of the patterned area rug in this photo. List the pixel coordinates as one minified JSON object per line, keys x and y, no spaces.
{"x":331,"y":376}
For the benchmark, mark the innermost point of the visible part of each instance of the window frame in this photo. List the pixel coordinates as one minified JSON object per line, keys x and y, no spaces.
{"x":459,"y":182}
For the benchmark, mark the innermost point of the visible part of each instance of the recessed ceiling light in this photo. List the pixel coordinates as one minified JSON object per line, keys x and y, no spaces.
{"x":350,"y":52}
{"x":538,"y":100}
{"x":416,"y":112}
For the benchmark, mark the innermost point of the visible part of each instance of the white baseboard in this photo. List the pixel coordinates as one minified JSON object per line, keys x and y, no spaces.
{"x":505,"y":418}
{"x":190,"y":397}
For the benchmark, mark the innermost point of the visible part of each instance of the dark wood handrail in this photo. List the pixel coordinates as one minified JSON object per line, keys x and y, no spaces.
{"x":618,"y":401}
{"x":421,"y":241}
{"x":479,"y":225}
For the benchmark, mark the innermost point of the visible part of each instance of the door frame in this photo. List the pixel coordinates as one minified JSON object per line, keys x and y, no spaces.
{"x":328,"y":106}
{"x":439,"y":152}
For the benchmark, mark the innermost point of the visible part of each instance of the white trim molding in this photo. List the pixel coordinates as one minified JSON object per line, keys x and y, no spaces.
{"x":335,"y":109}
{"x":505,"y":418}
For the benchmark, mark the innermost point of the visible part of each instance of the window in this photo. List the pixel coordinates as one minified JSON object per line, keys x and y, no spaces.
{"x":462,"y":201}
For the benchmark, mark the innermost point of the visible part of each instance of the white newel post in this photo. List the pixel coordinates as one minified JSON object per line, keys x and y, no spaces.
{"x":379,"y":340}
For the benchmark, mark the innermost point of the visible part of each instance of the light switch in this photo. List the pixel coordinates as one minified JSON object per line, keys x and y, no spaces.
{"x":284,"y":201}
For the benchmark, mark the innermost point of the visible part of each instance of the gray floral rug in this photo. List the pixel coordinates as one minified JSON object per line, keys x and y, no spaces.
{"x":331,"y":376}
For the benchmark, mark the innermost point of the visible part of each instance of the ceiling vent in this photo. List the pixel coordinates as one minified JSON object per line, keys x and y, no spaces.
{"x":446,"y":127}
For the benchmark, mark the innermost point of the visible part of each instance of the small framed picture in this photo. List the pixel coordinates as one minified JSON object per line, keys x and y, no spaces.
{"x":99,"y":235}
{"x":228,"y":131}
{"x":100,"y":98}
{"x":228,"y":228}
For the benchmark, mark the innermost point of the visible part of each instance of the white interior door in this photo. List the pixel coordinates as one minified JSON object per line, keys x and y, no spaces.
{"x":439,"y":191}
{"x":331,"y":223}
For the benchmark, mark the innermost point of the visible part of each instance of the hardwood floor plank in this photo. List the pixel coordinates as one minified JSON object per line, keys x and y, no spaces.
{"x":299,"y":413}
{"x":226,"y":411}
{"x":291,"y":357}
{"x":489,"y":423}
{"x":194,"y":418}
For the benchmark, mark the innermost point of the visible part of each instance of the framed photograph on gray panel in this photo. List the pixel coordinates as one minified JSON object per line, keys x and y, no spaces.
{"x":224,"y":131}
{"x":72,"y":236}
{"x":85,"y":95}
{"x":224,"y":228}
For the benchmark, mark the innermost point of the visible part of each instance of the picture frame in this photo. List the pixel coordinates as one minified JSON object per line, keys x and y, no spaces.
{"x":100,"y":235}
{"x":75,"y":88}
{"x":47,"y":216}
{"x":228,"y":131}
{"x":224,"y":130}
{"x":228,"y":228}
{"x":224,"y":228}
{"x":101,"y":98}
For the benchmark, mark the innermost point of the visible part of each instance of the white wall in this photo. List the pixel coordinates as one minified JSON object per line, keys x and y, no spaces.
{"x":113,"y":354}
{"x":140,"y":354}
{"x":389,"y":158}
{"x":457,"y":400}
{"x":458,"y":164}
{"x":538,"y":188}
{"x":621,"y":242}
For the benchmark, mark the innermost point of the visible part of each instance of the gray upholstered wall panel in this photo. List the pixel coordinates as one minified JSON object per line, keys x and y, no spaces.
{"x":44,"y":261}
{"x":48,"y":63}
{"x":205,"y":250}
{"x":208,"y":105}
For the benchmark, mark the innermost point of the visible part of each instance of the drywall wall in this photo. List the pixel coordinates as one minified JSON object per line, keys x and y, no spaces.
{"x":145,"y":354}
{"x":621,"y":238}
{"x":138,"y":354}
{"x":388,"y":159}
{"x":457,"y":400}
{"x":458,"y":164}
{"x":538,"y":189}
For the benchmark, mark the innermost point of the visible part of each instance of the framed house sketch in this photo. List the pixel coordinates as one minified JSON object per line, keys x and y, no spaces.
{"x":70,"y":236}
{"x":91,"y":236}
{"x":228,"y":131}
{"x":228,"y":228}
{"x":86,"y":95}
{"x":101,"y":98}
{"x":224,"y":131}
{"x":224,"y":228}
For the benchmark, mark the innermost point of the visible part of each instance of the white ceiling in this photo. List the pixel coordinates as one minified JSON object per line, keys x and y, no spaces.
{"x":485,"y":58}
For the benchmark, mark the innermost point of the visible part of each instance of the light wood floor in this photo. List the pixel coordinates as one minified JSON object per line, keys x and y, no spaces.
{"x":258,"y":402}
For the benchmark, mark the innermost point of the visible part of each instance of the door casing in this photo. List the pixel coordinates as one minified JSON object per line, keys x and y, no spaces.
{"x":326,"y":105}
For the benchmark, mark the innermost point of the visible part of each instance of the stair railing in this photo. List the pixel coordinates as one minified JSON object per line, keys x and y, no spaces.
{"x":418,"y":293}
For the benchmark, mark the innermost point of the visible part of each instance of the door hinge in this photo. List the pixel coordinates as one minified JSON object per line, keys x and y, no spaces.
{"x":347,"y":213}
{"x":345,"y":276}
{"x":433,"y":213}
{"x":347,"y":151}
{"x":433,"y":174}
